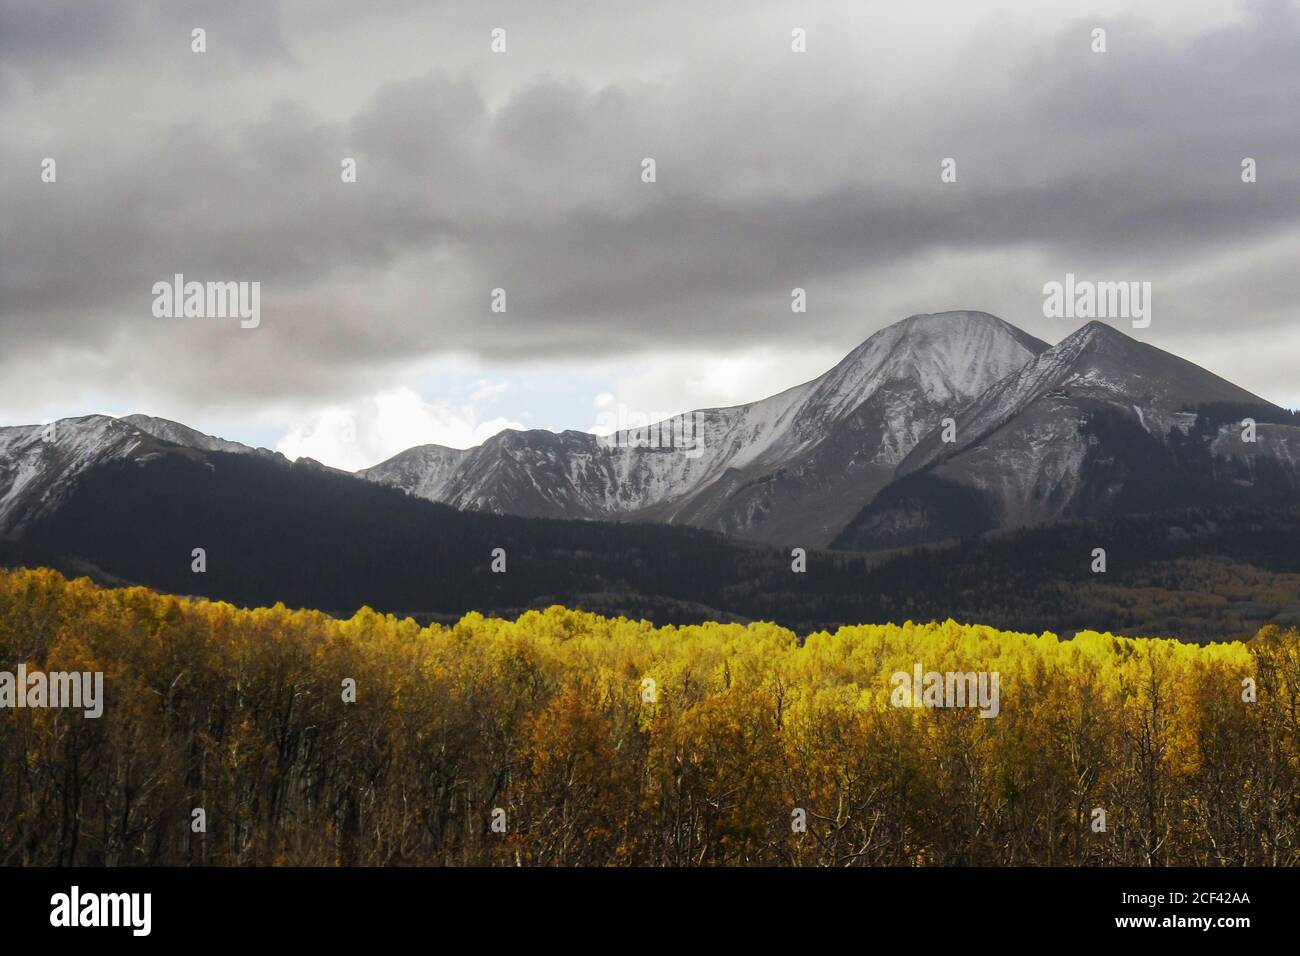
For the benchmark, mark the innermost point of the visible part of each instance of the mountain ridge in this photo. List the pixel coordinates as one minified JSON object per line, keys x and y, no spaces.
{"x":1076,"y":432}
{"x":859,"y":456}
{"x":757,"y":459}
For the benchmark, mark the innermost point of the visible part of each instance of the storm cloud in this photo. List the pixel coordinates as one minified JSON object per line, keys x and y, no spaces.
{"x":522,"y":170}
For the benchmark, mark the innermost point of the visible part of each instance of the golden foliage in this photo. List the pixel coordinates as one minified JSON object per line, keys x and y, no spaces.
{"x":241,"y":712}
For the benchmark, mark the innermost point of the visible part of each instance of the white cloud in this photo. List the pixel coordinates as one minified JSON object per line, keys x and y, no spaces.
{"x":673,"y":384}
{"x":373,"y":429}
{"x":487,"y":390}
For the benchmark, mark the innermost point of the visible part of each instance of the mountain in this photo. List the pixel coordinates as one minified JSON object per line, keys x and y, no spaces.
{"x":1099,"y":423}
{"x":39,"y":464}
{"x":275,"y":531}
{"x":1098,"y":440}
{"x":294,"y":532}
{"x":789,"y":469}
{"x":858,"y":458}
{"x":179,"y":434}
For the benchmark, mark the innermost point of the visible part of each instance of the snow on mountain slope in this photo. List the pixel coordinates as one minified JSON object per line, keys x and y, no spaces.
{"x":179,"y":434}
{"x":855,"y":457}
{"x":1083,"y":428}
{"x":424,"y":470}
{"x":949,"y":356}
{"x":1098,"y":362}
{"x":841,"y":440}
{"x":758,"y":470}
{"x":38,"y":461}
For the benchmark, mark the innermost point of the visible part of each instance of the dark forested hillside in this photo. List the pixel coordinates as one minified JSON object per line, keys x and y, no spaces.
{"x":311,"y":537}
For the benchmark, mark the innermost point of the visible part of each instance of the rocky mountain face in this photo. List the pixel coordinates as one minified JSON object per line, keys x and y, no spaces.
{"x":937,"y":427}
{"x":1099,"y":423}
{"x":794,"y":467}
{"x":39,"y":464}
{"x":178,"y":434}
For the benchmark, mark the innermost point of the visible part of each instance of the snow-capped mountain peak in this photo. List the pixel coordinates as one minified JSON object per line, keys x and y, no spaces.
{"x":38,"y":463}
{"x":1098,"y":362}
{"x":179,"y":434}
{"x":838,"y":458}
{"x":829,"y":442}
{"x":1092,"y":423}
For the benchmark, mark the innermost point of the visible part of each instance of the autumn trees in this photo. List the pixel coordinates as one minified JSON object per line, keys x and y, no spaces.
{"x":563,"y":738}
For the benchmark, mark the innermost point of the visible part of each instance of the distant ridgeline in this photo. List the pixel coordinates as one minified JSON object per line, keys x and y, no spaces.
{"x":312,"y":537}
{"x":950,"y":466}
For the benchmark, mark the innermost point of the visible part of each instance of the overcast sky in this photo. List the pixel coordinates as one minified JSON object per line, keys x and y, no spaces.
{"x":522,"y":170}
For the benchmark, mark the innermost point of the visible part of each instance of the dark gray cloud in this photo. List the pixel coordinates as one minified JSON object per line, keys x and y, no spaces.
{"x":52,"y":43}
{"x":522,"y":171}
